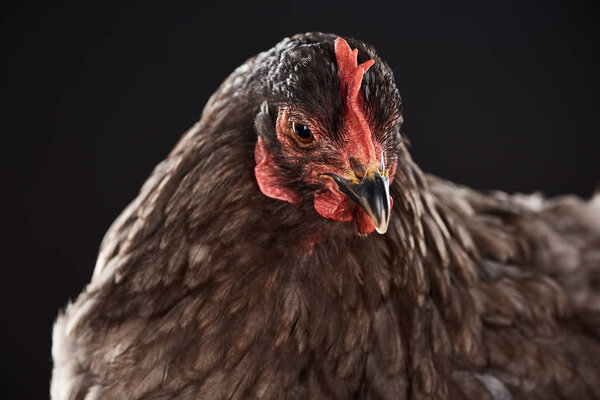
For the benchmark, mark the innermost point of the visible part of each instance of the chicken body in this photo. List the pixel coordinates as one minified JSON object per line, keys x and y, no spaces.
{"x":207,"y":288}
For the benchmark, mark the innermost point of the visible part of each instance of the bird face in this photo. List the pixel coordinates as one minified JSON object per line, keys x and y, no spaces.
{"x":334,"y":139}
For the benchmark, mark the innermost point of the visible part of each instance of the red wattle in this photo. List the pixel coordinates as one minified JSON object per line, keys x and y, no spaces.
{"x":333,"y":205}
{"x":364,"y":222}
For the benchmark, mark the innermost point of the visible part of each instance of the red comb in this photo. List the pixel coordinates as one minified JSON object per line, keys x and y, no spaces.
{"x":351,"y":74}
{"x":360,"y":142}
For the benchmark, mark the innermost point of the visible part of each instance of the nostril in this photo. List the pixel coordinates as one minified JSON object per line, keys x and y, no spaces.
{"x":357,"y":167}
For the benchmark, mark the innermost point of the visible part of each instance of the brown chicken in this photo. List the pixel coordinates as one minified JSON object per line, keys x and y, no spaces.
{"x":249,"y":266}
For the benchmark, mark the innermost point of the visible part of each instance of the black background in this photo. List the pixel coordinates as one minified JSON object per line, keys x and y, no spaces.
{"x":495,"y":96}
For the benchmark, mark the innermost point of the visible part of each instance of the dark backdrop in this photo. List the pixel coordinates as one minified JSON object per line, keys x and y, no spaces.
{"x":495,"y":96}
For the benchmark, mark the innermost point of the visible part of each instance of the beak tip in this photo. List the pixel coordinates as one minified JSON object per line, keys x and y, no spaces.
{"x":382,"y":230}
{"x":381,"y":226}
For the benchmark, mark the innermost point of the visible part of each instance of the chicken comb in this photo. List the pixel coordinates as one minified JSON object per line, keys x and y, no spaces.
{"x":351,"y":74}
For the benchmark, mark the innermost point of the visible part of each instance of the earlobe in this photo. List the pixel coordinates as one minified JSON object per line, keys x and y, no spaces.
{"x":266,"y":170}
{"x":267,"y":177}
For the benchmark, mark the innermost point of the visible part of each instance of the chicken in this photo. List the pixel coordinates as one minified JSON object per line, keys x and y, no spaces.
{"x":290,"y":248}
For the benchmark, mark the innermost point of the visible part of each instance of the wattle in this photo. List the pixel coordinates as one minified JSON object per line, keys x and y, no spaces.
{"x":336,"y":206}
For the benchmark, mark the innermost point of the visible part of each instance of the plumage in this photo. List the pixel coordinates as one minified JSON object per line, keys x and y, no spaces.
{"x":207,"y":287}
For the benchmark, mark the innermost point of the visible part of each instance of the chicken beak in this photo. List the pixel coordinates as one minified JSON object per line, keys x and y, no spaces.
{"x":372,"y":193}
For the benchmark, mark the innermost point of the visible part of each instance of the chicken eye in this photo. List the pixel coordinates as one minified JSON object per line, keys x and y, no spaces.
{"x":303,"y":133}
